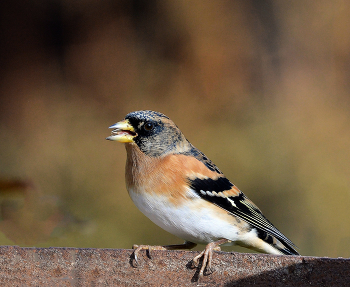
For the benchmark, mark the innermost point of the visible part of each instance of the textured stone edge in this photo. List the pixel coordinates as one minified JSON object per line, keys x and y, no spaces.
{"x":55,"y":266}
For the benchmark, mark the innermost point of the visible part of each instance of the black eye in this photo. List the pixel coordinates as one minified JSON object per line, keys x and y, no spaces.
{"x":148,"y":126}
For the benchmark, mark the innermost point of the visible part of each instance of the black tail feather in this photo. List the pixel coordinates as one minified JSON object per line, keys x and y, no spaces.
{"x":281,"y":245}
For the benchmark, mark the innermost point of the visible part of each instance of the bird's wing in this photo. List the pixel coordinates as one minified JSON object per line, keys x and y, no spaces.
{"x":221,"y":192}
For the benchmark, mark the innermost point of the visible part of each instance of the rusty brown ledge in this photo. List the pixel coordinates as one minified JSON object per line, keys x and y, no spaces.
{"x":56,"y":266}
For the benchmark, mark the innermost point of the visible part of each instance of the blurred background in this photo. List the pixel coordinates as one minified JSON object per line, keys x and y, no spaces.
{"x":261,"y":87}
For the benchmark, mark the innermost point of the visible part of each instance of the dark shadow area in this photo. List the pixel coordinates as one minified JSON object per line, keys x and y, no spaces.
{"x":311,"y":272}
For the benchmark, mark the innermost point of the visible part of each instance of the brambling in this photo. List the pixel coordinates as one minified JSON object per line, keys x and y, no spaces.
{"x":177,"y":187}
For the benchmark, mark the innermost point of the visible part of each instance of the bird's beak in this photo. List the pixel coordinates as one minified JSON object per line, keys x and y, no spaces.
{"x":122,"y":132}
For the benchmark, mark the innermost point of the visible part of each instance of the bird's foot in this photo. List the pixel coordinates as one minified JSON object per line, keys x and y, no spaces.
{"x":207,"y":255}
{"x":148,"y":248}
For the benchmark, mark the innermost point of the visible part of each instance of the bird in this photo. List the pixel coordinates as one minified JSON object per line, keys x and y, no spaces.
{"x":181,"y":190}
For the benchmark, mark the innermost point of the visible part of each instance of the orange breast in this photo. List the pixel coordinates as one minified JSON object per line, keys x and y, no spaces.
{"x":166,"y":175}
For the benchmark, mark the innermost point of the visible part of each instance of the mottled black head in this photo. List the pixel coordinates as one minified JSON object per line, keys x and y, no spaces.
{"x":156,"y":134}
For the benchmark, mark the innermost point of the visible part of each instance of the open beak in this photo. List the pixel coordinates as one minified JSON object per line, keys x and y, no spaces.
{"x":122,"y":132}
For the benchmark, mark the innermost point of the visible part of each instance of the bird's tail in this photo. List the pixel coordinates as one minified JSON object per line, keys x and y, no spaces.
{"x":283,"y":246}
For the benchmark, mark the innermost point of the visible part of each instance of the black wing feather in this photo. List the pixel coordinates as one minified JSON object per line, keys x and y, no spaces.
{"x":209,"y":189}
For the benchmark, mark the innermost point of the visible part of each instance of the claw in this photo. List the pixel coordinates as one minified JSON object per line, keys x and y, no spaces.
{"x":207,"y":255}
{"x":148,"y":248}
{"x":136,"y":247}
{"x":149,"y":253}
{"x":195,"y":260}
{"x":136,"y":262}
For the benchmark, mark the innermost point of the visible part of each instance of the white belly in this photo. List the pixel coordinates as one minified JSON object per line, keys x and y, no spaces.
{"x":192,"y":221}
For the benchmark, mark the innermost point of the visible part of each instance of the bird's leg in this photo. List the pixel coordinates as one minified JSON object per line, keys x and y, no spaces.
{"x":149,"y":248}
{"x":207,"y":255}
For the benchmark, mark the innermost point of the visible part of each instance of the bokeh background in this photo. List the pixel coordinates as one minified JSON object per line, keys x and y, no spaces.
{"x":261,"y":87}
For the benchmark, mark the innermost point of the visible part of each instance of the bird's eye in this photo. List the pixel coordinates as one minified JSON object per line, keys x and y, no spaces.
{"x":148,"y":126}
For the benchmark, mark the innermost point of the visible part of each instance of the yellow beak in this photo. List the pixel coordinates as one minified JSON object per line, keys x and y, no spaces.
{"x":122,"y":132}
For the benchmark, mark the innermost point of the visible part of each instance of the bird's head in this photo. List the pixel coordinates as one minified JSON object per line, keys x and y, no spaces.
{"x":154,"y":133}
